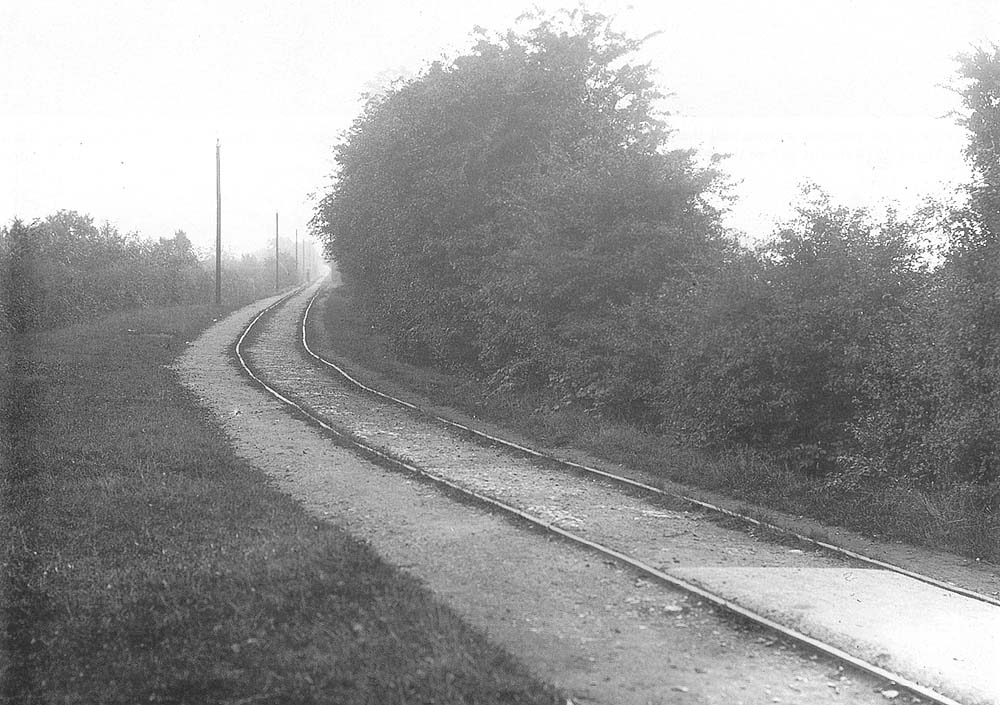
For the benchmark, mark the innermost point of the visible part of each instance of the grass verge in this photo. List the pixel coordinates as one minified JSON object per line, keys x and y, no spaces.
{"x":143,"y":562}
{"x":963,"y":518}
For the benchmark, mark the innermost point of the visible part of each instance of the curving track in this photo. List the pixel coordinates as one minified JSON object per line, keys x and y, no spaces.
{"x":637,"y":485}
{"x":259,"y":351}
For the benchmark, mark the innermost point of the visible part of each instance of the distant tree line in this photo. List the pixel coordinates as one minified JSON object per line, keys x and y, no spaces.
{"x":518,"y":212}
{"x":64,"y":269}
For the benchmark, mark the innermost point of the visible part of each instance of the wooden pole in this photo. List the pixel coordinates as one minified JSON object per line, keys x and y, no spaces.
{"x":276,"y":288}
{"x":296,"y":255}
{"x":218,"y":225}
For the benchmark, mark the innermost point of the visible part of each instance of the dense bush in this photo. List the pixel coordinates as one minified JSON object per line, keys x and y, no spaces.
{"x":843,"y":349}
{"x":782,"y":348}
{"x":517,"y":209}
{"x":937,"y":416}
{"x":65,"y":268}
{"x":518,"y":212}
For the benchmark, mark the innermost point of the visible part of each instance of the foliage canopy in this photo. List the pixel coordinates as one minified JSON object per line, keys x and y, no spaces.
{"x":519,"y":211}
{"x":509,"y":209}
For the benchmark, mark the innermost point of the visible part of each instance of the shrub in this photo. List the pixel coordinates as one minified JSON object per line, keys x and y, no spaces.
{"x":779,"y":348}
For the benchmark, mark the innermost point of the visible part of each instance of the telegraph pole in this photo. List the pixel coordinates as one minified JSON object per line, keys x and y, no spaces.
{"x":218,"y":226}
{"x":296,"y":255}
{"x":276,"y":251}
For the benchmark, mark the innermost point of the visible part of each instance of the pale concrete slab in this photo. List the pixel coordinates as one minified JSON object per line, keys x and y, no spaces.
{"x":934,"y":637}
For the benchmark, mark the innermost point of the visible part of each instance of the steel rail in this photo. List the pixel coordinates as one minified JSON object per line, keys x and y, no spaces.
{"x":636,"y":484}
{"x":621,"y":558}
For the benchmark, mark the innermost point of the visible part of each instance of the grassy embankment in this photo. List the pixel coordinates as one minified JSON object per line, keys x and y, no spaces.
{"x":143,"y":562}
{"x":959,"y":519}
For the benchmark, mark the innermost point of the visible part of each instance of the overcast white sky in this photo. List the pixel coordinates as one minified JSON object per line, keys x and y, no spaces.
{"x":113,"y":108}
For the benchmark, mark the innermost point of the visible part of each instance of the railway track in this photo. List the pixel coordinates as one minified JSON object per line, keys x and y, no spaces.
{"x":487,"y":495}
{"x":637,"y":485}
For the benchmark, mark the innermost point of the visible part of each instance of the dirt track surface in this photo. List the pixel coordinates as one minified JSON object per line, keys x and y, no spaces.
{"x":586,"y":625}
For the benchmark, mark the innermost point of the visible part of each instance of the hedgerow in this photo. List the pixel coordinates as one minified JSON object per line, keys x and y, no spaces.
{"x":518,"y":213}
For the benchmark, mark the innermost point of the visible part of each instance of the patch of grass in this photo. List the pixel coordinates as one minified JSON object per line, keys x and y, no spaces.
{"x":143,"y":562}
{"x":963,"y":519}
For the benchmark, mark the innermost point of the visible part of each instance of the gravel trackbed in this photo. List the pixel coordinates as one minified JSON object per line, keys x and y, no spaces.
{"x":587,"y":625}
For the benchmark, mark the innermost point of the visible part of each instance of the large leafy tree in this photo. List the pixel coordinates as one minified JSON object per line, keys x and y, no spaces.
{"x":510,"y":208}
{"x":938,"y":415}
{"x":970,"y":283}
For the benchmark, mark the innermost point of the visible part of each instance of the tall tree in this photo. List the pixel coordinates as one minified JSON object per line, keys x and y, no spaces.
{"x":976,"y":234}
{"x":970,"y":416}
{"x":505,"y":208}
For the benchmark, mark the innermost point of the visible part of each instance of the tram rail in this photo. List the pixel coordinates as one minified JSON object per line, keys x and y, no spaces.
{"x":642,"y":568}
